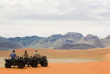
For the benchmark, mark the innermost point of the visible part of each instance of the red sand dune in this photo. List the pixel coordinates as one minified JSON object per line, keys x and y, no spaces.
{"x":101,"y":67}
{"x":101,"y":53}
{"x":107,"y":56}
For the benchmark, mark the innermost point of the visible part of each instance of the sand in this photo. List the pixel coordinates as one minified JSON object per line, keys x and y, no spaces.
{"x":98,"y":53}
{"x":64,"y":62}
{"x":100,"y":67}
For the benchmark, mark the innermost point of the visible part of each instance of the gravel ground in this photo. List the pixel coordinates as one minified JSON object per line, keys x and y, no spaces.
{"x":69,"y":60}
{"x":2,"y":62}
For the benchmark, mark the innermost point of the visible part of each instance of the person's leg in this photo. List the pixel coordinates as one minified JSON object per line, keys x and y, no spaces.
{"x":27,"y":61}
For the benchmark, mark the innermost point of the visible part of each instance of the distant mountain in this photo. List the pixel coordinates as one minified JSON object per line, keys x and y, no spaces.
{"x":24,"y":41}
{"x":70,"y":40}
{"x":5,"y":44}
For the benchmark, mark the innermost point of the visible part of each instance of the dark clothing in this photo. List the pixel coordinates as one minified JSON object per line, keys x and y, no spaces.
{"x":12,"y":55}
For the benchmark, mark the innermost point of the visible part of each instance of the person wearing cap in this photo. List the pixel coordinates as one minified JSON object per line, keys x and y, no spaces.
{"x":36,"y":54}
{"x":13,"y":55}
{"x":25,"y":55}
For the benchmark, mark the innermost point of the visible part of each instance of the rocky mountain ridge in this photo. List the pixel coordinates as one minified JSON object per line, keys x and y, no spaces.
{"x":70,"y":40}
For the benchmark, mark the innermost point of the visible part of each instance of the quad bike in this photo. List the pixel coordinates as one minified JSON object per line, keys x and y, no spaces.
{"x":21,"y":62}
{"x":34,"y":61}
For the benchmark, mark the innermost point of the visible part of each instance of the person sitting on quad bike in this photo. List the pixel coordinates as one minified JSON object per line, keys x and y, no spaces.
{"x":36,"y":54}
{"x":13,"y":55}
{"x":25,"y":55}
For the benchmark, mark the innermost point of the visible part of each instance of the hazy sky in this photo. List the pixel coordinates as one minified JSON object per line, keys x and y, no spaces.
{"x":47,"y":17}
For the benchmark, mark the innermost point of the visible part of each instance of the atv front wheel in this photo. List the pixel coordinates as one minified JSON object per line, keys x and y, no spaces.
{"x":8,"y":65}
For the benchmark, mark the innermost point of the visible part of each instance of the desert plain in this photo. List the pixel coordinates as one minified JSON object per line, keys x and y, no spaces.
{"x":73,"y":61}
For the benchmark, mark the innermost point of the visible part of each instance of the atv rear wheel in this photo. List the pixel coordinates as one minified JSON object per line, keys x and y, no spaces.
{"x":8,"y":65}
{"x":20,"y":65}
{"x":34,"y":64}
{"x":44,"y":64}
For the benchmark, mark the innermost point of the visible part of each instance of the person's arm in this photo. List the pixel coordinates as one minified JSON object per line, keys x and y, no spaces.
{"x":23,"y":56}
{"x":28,"y":55}
{"x":39,"y":55}
{"x":15,"y":55}
{"x":9,"y":57}
{"x":34,"y":53}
